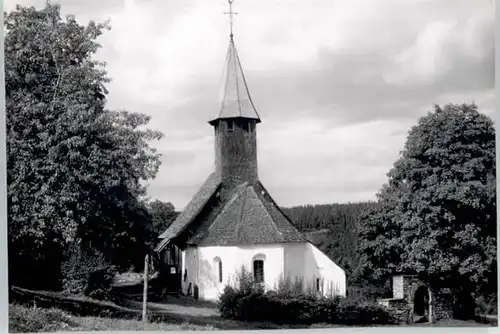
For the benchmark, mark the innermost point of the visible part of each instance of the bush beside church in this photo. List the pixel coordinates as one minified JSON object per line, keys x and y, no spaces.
{"x":248,"y":301}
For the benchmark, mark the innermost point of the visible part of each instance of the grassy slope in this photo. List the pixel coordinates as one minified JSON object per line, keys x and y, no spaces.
{"x":24,"y":319}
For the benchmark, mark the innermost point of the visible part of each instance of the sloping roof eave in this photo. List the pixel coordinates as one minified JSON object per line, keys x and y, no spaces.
{"x":191,"y":211}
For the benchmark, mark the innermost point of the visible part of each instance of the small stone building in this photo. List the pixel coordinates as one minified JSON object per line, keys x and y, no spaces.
{"x":414,"y":302}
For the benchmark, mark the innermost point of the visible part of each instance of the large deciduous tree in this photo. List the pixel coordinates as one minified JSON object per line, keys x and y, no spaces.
{"x":162,"y":214}
{"x":74,"y":168}
{"x":436,"y":216}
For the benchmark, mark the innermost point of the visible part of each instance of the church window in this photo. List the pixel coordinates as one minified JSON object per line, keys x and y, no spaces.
{"x":218,"y":268}
{"x":258,"y":271}
{"x":245,"y":126}
{"x":220,"y":271}
{"x":230,"y":126}
{"x":317,"y":284}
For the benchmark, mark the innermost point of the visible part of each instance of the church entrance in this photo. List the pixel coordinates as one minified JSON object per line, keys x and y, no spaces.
{"x":171,"y":269}
{"x":421,"y":305}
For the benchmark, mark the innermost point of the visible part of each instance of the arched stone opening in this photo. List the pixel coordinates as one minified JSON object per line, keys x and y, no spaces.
{"x":421,"y":305}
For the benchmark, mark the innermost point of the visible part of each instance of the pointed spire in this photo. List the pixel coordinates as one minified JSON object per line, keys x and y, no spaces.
{"x":235,"y":98}
{"x":231,"y":13}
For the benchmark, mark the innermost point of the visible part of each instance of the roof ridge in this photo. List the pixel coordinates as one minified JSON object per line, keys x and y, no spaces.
{"x":231,"y":200}
{"x":245,"y":84}
{"x":242,"y":210}
{"x":268,"y":213}
{"x":279,"y":209}
{"x":236,"y":82}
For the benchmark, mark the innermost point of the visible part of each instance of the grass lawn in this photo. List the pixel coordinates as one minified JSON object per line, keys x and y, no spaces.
{"x":27,"y":319}
{"x":106,"y":324}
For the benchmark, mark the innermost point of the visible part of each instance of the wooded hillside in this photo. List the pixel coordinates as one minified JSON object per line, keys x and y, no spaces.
{"x":332,"y":228}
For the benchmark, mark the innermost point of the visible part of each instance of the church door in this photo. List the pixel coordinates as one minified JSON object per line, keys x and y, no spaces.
{"x":172,"y":275}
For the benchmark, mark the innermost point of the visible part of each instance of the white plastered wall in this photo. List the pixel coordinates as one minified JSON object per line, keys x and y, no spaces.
{"x":202,"y":266}
{"x":291,"y":260}
{"x":305,"y":261}
{"x":332,"y":277}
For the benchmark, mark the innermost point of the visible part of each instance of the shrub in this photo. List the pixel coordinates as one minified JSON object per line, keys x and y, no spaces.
{"x":234,"y":299}
{"x":363,"y":313}
{"x":31,"y":320}
{"x":247,"y":301}
{"x":99,"y":282}
{"x":486,"y":305}
{"x":287,"y":287}
{"x":299,"y":309}
{"x":245,"y":283}
{"x":368,"y":291}
{"x":88,"y":274}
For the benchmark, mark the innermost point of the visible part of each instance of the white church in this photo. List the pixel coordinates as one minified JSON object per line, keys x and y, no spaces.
{"x":232,"y":221}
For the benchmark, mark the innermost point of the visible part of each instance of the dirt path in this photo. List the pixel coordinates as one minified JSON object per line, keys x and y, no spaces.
{"x":187,"y":310}
{"x":194,"y":311}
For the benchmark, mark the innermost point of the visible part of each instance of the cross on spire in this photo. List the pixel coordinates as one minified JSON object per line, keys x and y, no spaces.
{"x":231,"y":13}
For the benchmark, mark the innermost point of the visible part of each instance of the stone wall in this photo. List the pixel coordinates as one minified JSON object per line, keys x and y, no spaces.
{"x":442,"y":306}
{"x":404,"y":287}
{"x":400,"y":309}
{"x":410,"y":284}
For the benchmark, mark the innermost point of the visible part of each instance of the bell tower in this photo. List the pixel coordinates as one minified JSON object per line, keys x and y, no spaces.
{"x":235,"y":123}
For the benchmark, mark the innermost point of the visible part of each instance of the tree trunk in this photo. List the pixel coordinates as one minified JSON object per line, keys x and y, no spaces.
{"x":431,"y":310}
{"x":145,"y":293}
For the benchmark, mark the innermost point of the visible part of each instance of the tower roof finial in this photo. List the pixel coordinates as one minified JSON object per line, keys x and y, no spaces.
{"x":231,"y":13}
{"x":236,"y":101}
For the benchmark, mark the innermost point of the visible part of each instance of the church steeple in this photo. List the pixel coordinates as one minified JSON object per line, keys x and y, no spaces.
{"x":235,"y":124}
{"x":236,"y":101}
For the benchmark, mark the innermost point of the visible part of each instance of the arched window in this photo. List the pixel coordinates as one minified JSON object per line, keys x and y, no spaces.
{"x":220,"y":271}
{"x":218,"y":266}
{"x":258,"y":267}
{"x":258,"y":271}
{"x":230,"y":126}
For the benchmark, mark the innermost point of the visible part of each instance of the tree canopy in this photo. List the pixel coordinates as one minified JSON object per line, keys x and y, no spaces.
{"x":75,"y":169}
{"x":333,"y":229}
{"x":436,"y":216}
{"x":162,"y":214}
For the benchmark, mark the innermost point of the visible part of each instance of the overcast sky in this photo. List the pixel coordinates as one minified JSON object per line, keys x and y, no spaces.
{"x":337,"y":83}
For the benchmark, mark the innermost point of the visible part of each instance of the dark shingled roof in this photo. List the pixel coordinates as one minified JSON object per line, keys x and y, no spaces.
{"x":191,"y":210}
{"x":236,"y":100}
{"x":242,"y":214}
{"x":250,"y":216}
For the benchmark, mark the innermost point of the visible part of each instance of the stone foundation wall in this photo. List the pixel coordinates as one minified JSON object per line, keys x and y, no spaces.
{"x":404,"y":288}
{"x":403,"y":314}
{"x":400,"y":309}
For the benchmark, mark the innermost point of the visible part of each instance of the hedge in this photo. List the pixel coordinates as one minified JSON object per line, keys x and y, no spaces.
{"x":249,"y":302}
